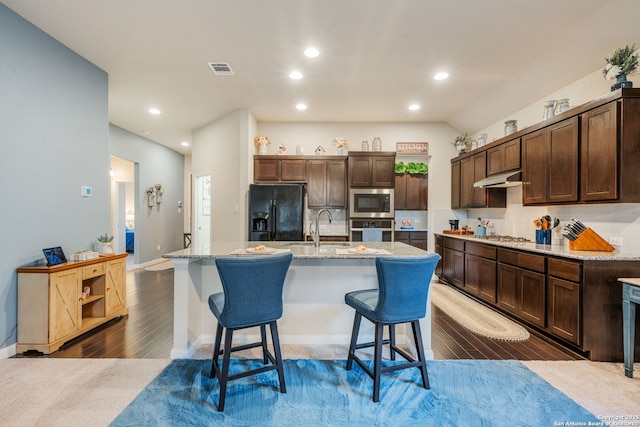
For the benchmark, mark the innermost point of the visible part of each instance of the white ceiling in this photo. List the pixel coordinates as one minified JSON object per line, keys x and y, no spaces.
{"x":377,"y":56}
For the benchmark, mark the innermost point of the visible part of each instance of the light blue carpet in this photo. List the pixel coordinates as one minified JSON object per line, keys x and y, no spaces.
{"x":323,"y":393}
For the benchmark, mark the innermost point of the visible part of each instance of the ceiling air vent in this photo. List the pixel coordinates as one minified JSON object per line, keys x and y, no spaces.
{"x":221,"y":68}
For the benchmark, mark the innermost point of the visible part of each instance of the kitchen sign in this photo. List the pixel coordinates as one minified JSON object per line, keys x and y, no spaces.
{"x":412,"y":147}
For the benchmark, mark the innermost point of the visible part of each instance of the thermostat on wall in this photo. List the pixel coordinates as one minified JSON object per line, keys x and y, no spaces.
{"x":86,"y":191}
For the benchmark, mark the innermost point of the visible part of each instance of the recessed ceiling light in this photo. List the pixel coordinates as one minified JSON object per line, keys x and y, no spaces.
{"x":184,"y":143}
{"x":441,"y":76}
{"x":295,"y":75}
{"x":154,"y":111}
{"x":414,"y":107}
{"x":311,"y":52}
{"x":301,"y":107}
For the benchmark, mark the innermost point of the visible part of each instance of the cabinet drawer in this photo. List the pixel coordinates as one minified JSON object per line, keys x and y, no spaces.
{"x":93,"y":270}
{"x":522,"y":259}
{"x":455,"y":244}
{"x":481,"y":250}
{"x":565,"y":269}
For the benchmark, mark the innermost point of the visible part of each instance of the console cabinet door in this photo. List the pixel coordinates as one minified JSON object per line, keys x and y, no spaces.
{"x":599,"y":154}
{"x":65,"y":314}
{"x":116,"y":289}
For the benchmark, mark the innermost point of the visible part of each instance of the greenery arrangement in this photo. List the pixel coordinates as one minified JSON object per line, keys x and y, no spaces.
{"x":623,"y":61}
{"x":105,"y":238}
{"x":461,"y":141}
{"x":417,"y":168}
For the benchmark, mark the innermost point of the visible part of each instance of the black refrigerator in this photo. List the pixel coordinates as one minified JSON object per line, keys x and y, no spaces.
{"x":276,"y":212}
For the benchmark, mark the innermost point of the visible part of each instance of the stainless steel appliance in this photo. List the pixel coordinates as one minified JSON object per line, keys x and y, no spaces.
{"x":276,"y":212}
{"x":358,"y":229}
{"x":371,"y":203}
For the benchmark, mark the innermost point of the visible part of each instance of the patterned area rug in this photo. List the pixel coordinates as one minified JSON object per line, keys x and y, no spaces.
{"x":474,"y":316}
{"x":323,"y":393}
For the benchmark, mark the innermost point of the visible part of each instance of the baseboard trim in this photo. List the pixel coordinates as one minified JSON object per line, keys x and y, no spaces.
{"x":8,"y":351}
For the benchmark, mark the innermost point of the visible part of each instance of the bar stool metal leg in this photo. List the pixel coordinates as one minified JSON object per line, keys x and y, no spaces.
{"x":354,"y":339}
{"x":377,"y":361}
{"x":276,"y":349}
{"x":224,"y":375}
{"x":417,"y":336}
{"x":216,"y":351}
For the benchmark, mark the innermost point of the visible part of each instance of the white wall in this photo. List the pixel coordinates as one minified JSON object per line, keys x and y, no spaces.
{"x":608,"y":220}
{"x":220,"y":149}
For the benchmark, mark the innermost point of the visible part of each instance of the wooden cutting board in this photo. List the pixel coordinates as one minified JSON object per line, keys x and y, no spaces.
{"x":459,"y":232}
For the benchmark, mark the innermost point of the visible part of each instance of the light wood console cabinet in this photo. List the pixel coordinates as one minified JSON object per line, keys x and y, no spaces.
{"x":51,"y":310}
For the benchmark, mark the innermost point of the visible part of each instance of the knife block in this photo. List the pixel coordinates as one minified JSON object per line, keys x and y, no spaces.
{"x":589,"y":240}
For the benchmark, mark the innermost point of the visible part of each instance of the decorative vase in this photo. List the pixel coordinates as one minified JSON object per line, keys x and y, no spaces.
{"x":340,"y":151}
{"x":105,"y":247}
{"x":262,"y":147}
{"x":621,"y":82}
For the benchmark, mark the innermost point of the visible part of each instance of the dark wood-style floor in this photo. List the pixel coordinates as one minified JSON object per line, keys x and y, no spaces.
{"x":147,"y":332}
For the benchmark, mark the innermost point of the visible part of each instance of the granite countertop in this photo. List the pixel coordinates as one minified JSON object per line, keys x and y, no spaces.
{"x":556,"y":250}
{"x":327,"y":250}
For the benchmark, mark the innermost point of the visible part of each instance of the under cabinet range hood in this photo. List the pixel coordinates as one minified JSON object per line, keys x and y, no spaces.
{"x":501,"y":180}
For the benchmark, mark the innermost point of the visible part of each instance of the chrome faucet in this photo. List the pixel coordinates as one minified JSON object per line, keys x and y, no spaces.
{"x":316,"y":235}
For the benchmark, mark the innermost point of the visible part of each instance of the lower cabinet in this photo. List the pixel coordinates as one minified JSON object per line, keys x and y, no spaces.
{"x":564,"y":317}
{"x":522,"y":285}
{"x":453,"y":261}
{"x":413,"y":238}
{"x":480,"y":271}
{"x":52,"y":308}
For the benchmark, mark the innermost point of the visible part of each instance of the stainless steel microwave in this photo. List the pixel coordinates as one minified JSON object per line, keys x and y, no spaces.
{"x":371,"y":203}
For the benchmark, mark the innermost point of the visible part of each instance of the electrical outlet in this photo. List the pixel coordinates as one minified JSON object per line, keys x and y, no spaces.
{"x":158,"y":247}
{"x":615,"y":240}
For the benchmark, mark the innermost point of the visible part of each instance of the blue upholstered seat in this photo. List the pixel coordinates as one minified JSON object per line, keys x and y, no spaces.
{"x":252,"y":297}
{"x":401,"y":297}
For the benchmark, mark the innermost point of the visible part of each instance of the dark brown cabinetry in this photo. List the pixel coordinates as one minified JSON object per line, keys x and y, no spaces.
{"x":563,"y":299}
{"x":453,"y":261}
{"x":411,"y":192}
{"x":576,"y":302}
{"x":455,"y":185}
{"x":373,"y":170}
{"x":521,"y":285}
{"x":599,"y":154}
{"x":480,"y":270}
{"x":505,"y":157}
{"x":550,"y":164}
{"x":413,"y":238}
{"x":278,"y":169}
{"x":473,"y":169}
{"x":326,"y":183}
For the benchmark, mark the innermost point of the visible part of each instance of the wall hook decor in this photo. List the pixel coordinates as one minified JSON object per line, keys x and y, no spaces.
{"x":159,"y":191}
{"x":151,"y":196}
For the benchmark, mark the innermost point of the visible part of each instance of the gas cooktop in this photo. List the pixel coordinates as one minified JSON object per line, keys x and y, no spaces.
{"x":497,"y":238}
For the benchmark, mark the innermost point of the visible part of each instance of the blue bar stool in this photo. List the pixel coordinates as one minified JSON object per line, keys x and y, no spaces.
{"x":252,"y":297}
{"x":401,"y":297}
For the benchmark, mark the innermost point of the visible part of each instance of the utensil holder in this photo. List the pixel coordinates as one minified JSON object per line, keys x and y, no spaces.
{"x":481,"y":230}
{"x":543,"y":237}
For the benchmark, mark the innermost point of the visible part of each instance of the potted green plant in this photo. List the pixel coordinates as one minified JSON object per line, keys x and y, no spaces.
{"x":413,"y":168}
{"x":621,"y":64}
{"x":462,"y":142}
{"x":105,"y":244}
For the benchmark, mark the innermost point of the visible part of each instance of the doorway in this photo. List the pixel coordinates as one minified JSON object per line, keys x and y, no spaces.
{"x":123,"y":212}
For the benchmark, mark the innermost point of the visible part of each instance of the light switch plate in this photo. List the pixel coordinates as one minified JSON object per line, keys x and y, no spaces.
{"x":86,"y":191}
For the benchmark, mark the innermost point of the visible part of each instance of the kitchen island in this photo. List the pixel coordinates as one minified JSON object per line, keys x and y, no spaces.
{"x":314,"y":308}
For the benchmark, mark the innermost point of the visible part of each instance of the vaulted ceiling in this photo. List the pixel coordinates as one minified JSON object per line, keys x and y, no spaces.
{"x":376,"y":56}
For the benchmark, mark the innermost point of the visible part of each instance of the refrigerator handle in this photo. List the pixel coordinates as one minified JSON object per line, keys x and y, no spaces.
{"x":273,"y":219}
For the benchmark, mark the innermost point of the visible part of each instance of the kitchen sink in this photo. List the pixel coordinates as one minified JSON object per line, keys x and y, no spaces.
{"x":322,"y":244}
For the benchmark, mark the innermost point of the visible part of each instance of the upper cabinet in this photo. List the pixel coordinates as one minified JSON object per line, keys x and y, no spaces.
{"x":464,"y":173}
{"x":588,"y":154}
{"x":503,"y":158}
{"x":550,"y":164}
{"x":278,"y":169}
{"x":411,"y":192}
{"x":327,"y":183}
{"x":372,"y":169}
